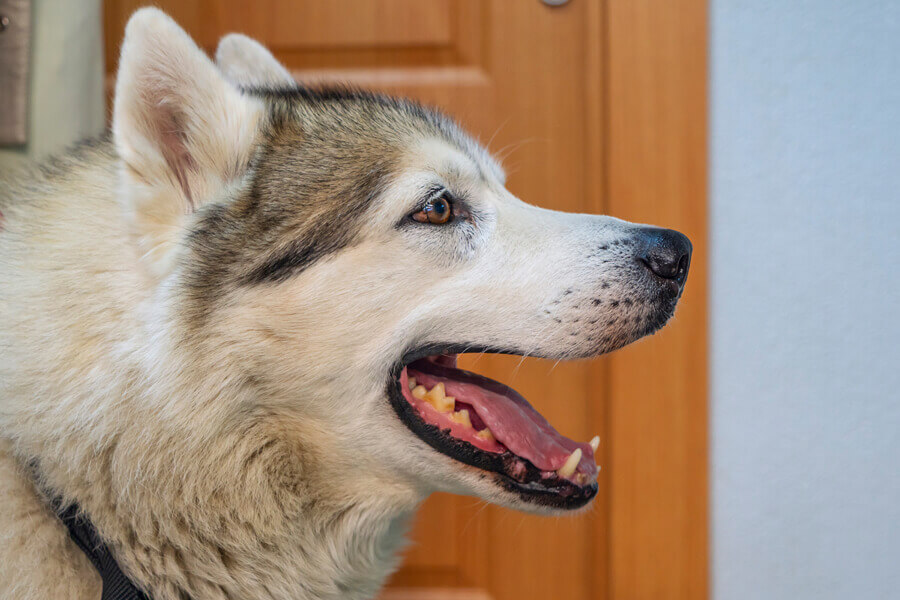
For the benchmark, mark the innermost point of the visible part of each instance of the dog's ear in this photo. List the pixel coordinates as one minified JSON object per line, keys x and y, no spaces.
{"x":183,"y":132}
{"x":248,"y":64}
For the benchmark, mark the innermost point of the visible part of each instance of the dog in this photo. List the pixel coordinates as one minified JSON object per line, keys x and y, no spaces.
{"x":229,"y":331}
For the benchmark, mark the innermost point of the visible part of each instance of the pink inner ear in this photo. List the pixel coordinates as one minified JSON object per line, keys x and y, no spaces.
{"x":172,"y":139}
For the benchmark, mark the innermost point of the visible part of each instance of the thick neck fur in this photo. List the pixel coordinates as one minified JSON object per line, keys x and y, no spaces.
{"x":196,"y":501}
{"x":249,"y":516}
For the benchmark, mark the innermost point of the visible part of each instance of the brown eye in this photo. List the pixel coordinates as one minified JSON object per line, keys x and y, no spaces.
{"x":437,"y":211}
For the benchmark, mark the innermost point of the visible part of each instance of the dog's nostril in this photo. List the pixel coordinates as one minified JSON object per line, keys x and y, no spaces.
{"x":666,"y":253}
{"x":683,"y":265}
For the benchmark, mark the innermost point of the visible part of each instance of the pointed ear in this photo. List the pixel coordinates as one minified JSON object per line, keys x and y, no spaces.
{"x":248,"y":64}
{"x":183,"y":132}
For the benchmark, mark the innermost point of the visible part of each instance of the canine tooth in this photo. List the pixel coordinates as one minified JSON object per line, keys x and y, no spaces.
{"x":569,"y":466}
{"x":412,"y":382}
{"x":419,"y":392}
{"x":595,"y":443}
{"x":486,"y":435}
{"x":462,"y":417}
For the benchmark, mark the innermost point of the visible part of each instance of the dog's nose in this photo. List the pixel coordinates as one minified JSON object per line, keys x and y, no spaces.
{"x":667,"y":253}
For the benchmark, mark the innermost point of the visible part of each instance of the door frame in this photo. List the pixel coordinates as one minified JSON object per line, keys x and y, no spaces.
{"x":652,"y":77}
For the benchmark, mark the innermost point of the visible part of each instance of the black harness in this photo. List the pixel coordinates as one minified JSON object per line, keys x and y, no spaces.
{"x":116,"y":586}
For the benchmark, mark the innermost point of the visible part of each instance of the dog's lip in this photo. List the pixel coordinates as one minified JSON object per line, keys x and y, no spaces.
{"x":436,"y":348}
{"x":534,"y":488}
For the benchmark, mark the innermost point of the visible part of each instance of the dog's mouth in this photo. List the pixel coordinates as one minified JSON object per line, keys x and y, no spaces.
{"x":488,"y":425}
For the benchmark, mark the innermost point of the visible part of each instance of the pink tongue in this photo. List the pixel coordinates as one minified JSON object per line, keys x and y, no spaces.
{"x":518,"y":426}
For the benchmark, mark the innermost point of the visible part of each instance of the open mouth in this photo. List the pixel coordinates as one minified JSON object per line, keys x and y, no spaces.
{"x":488,"y":425}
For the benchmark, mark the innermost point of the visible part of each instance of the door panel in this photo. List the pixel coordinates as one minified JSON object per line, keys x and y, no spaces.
{"x":315,"y":24}
{"x":560,"y":98}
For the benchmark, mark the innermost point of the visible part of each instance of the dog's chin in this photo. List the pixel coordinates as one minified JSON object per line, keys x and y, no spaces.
{"x":504,"y":451}
{"x":495,"y":488}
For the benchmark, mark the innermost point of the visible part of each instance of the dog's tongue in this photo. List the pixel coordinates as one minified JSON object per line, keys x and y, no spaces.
{"x":511,"y":419}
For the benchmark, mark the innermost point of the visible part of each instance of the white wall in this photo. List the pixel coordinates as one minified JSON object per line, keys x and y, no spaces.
{"x":805,"y":291}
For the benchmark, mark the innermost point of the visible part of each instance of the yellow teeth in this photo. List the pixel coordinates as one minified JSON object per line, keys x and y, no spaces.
{"x":419,"y":392}
{"x":412,"y":383}
{"x":486,"y":435}
{"x":595,"y":442}
{"x":462,"y":417}
{"x":569,"y":466}
{"x":439,"y":400}
{"x":436,"y":393}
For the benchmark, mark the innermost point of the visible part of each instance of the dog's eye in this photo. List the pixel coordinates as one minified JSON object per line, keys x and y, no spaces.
{"x":437,"y":211}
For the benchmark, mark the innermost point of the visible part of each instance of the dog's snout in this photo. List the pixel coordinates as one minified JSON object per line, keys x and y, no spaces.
{"x":667,"y":253}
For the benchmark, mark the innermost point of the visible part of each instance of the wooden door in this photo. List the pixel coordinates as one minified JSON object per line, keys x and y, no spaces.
{"x":594,"y":107}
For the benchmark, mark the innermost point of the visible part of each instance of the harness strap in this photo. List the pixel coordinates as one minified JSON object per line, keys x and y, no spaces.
{"x":116,"y":586}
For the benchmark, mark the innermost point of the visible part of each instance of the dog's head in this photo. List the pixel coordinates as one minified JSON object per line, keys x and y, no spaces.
{"x":335,"y":250}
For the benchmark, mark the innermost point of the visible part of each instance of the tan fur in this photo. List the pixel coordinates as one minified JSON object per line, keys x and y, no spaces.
{"x":248,"y":64}
{"x":221,"y":418}
{"x":191,"y":497}
{"x":38,"y":559}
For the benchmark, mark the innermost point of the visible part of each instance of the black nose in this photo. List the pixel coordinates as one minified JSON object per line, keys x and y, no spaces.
{"x":667,"y":253}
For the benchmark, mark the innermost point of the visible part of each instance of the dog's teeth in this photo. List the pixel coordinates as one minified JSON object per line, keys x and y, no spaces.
{"x":580,"y":478}
{"x":419,"y":392}
{"x":486,"y":435}
{"x":412,"y":382}
{"x":595,"y":443}
{"x":439,"y":400}
{"x":462,"y":417}
{"x":446,"y":404}
{"x":569,"y":466}
{"x":436,"y":393}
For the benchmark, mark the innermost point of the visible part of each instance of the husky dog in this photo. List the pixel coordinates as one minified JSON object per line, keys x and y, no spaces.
{"x":229,"y":330}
